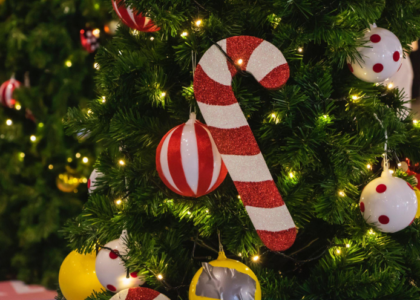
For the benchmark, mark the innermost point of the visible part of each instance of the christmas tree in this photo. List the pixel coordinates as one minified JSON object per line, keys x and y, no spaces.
{"x":43,"y":170}
{"x":322,"y":132}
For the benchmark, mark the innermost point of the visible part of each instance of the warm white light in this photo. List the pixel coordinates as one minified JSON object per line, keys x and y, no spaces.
{"x":338,"y":251}
{"x":40,"y":125}
{"x":184,"y":34}
{"x":21,"y":154}
{"x":18,"y":106}
{"x":68,"y":63}
{"x":369,"y":167}
{"x":273,"y":115}
{"x":391,"y":171}
{"x":325,"y":116}
{"x":256,"y":258}
{"x":9,"y":122}
{"x":240,"y":61}
{"x":240,"y":254}
{"x":341,"y":193}
{"x":239,"y":197}
{"x":355,"y":97}
{"x":84,"y":180}
{"x":69,"y":159}
{"x":390,"y":85}
{"x":85,"y":160}
{"x":118,"y":202}
{"x":291,"y":175}
{"x":96,"y":32}
{"x":207,"y":211}
{"x":121,"y":162}
{"x":189,"y":213}
{"x":371,"y":231}
{"x":415,"y":121}
{"x":347,"y":245}
{"x":103,"y":99}
{"x":300,"y":49}
{"x":78,"y":155}
{"x":152,"y":38}
{"x":198,"y":22}
{"x":163,"y":94}
{"x":89,"y":111}
{"x":96,"y":66}
{"x":50,"y":167}
{"x":159,"y":276}
{"x":399,"y":164}
{"x":33,"y":138}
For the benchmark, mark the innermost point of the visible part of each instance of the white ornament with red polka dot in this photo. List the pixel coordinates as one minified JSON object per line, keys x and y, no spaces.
{"x":92,"y":180}
{"x":139,"y":293}
{"x":381,"y":55}
{"x":388,"y":203}
{"x":110,"y":268}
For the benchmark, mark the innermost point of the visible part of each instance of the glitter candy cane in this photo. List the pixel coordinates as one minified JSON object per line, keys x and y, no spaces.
{"x":233,"y":136}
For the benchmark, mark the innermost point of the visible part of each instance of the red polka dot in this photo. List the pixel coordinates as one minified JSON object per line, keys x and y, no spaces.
{"x":383,"y":219}
{"x":134,"y":274}
{"x":362,"y":207}
{"x":350,"y":68}
{"x":113,"y":254}
{"x":375,"y":38}
{"x":378,"y":68}
{"x":381,"y":188}
{"x":410,"y":186}
{"x":89,"y":184}
{"x":396,"y":56}
{"x":111,"y":288}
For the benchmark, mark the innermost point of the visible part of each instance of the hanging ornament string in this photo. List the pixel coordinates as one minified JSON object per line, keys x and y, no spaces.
{"x":386,"y":142}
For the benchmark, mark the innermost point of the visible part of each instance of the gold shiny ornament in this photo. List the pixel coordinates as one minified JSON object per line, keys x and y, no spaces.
{"x":224,"y":278}
{"x":77,"y":277}
{"x":68,"y":181}
{"x":417,"y":191}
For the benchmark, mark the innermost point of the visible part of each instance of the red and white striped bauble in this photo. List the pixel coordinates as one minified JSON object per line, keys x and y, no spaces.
{"x":133,"y":18}
{"x":6,"y":92}
{"x":233,"y":136}
{"x":139,"y":293}
{"x":188,"y":161}
{"x":91,"y":184}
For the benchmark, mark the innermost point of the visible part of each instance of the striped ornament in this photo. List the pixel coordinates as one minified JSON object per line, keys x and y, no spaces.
{"x":139,"y":293}
{"x":187,"y":160}
{"x":132,"y":18}
{"x":233,"y":136}
{"x":92,"y":184}
{"x":6,"y":92}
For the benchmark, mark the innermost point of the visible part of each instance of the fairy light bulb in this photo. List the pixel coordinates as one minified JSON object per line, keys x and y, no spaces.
{"x":96,"y":32}
{"x":69,"y":159}
{"x":159,"y":276}
{"x":18,"y":106}
{"x":273,"y":115}
{"x":85,"y":160}
{"x":391,"y":171}
{"x":256,"y":258}
{"x":118,"y":202}
{"x":152,"y":38}
{"x":50,"y":167}
{"x":300,"y":49}
{"x":240,"y":61}
{"x":291,"y":175}
{"x":33,"y":138}
{"x":239,"y":197}
{"x":184,"y":34}
{"x":103,"y":99}
{"x":390,"y":86}
{"x":163,"y":94}
{"x":68,"y":63}
{"x":355,"y":97}
{"x":78,"y":155}
{"x":121,"y":162}
{"x":341,"y":193}
{"x":96,"y":66}
{"x":338,"y":251}
{"x":369,"y":167}
{"x":325,"y":116}
{"x":347,"y":245}
{"x":198,"y":22}
{"x":415,"y":121}
{"x":9,"y":122}
{"x":21,"y":154}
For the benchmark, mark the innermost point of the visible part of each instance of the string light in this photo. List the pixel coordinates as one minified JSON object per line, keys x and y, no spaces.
{"x":84,"y":180}
{"x":207,"y":211}
{"x":96,"y":32}
{"x":85,"y":160}
{"x":78,"y":155}
{"x":21,"y":154}
{"x":163,"y":94}
{"x":18,"y":106}
{"x":40,"y":125}
{"x":325,"y":116}
{"x":198,"y":22}
{"x":69,"y":159}
{"x":291,"y":175}
{"x":103,"y":99}
{"x":399,"y":164}
{"x":415,"y":121}
{"x":50,"y":167}
{"x":371,"y":232}
{"x":390,"y":85}
{"x":118,"y":202}
{"x":391,"y":171}
{"x":33,"y":138}
{"x":355,"y":97}
{"x":184,"y":34}
{"x":159,"y":276}
{"x":240,"y":61}
{"x":152,"y":38}
{"x":9,"y":122}
{"x":68,"y":63}
{"x":300,"y":49}
{"x":239,"y":197}
{"x":189,"y":212}
{"x":369,"y":167}
{"x":273,"y":115}
{"x":256,"y":258}
{"x":341,"y":193}
{"x":338,"y":251}
{"x":89,"y":111}
{"x":347,"y":245}
{"x":121,"y":162}
{"x":96,"y":66}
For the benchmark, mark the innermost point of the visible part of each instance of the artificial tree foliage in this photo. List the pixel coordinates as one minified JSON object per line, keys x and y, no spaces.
{"x":40,"y":46}
{"x":318,"y":135}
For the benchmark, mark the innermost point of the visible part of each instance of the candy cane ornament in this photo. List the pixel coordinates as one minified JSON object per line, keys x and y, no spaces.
{"x":233,"y":136}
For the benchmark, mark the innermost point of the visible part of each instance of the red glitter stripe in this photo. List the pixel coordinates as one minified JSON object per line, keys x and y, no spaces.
{"x":141,"y":293}
{"x":277,"y":77}
{"x":175,"y":163}
{"x":159,"y":166}
{"x":122,"y":9}
{"x":3,"y":93}
{"x":208,"y":91}
{"x":205,"y":159}
{"x":278,"y":241}
{"x":242,"y":47}
{"x":262,"y":194}
{"x":237,"y":141}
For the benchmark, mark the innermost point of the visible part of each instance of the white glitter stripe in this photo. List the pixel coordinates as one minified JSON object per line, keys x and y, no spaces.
{"x":264,"y":59}
{"x":247,"y":168}
{"x":215,"y":65}
{"x":270,"y":219}
{"x":121,"y":295}
{"x":131,"y":14}
{"x":116,"y":8}
{"x":161,"y":297}
{"x":217,"y":160}
{"x":164,"y":161}
{"x":225,"y":117}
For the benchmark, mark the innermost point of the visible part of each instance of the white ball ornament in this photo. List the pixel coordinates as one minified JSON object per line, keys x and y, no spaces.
{"x":110,"y":268}
{"x":388,"y":203}
{"x":382,"y":56}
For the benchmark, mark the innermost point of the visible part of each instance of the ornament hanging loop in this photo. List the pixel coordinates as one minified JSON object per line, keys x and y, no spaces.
{"x":220,"y":241}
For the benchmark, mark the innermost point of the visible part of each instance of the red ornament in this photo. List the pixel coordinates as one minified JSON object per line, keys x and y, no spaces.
{"x":133,"y":18}
{"x":233,"y":136}
{"x":6,"y":92}
{"x":139,"y":293}
{"x":188,"y":161}
{"x":89,"y":39}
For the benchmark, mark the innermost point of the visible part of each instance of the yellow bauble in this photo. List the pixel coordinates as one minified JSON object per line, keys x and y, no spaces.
{"x":417,"y":191}
{"x":228,"y":277}
{"x":77,"y":276}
